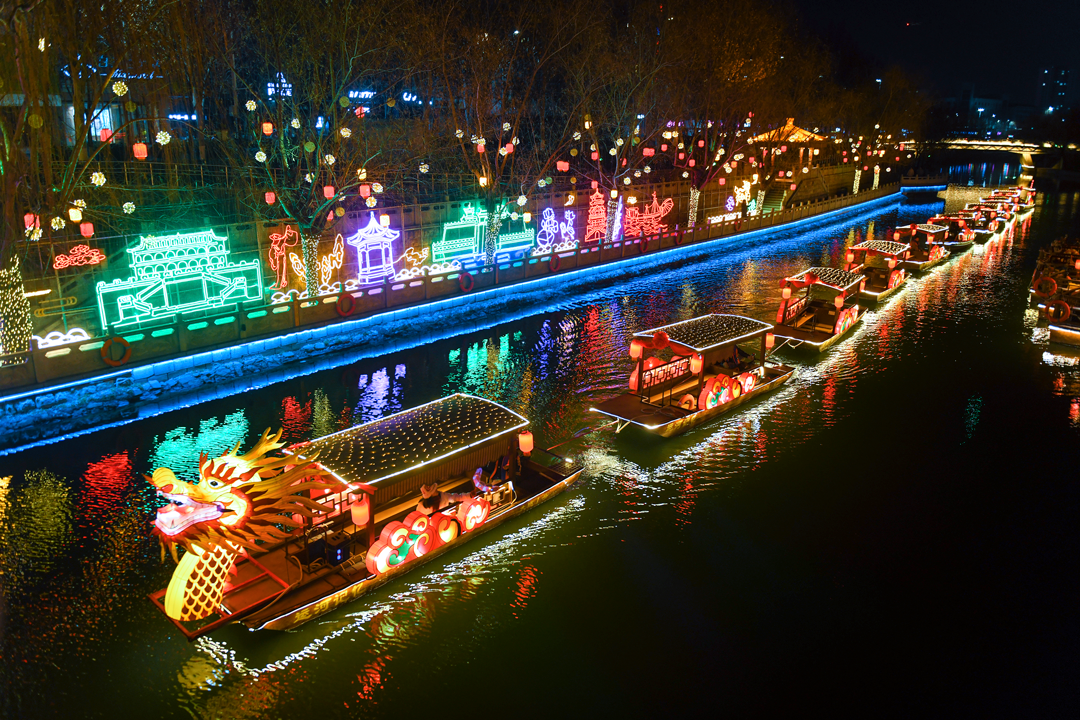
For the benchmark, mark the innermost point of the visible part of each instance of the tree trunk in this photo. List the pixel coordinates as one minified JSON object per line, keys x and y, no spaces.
{"x":15,"y":324}
{"x":491,"y":234}
{"x":692,"y":210}
{"x":309,"y":244}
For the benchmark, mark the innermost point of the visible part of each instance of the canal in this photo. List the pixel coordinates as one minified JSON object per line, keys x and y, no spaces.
{"x":893,"y":528}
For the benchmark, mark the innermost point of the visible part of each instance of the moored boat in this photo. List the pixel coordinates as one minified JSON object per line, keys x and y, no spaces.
{"x":274,"y":539}
{"x":958,"y":237}
{"x":1055,"y":290}
{"x":700,"y":369}
{"x":926,"y":243}
{"x":820,"y":315}
{"x":979,"y":225}
{"x":879,"y":261}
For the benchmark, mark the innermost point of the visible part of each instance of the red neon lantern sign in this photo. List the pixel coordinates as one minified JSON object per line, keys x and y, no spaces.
{"x":79,"y":255}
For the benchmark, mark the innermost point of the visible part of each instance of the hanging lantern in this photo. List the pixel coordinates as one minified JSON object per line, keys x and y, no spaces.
{"x":838,"y":301}
{"x":384,"y":220}
{"x":793,"y":186}
{"x":696,"y":364}
{"x":270,"y":197}
{"x":30,"y":220}
{"x":480,"y":147}
{"x":562,"y":165}
{"x":614,"y":194}
{"x":75,"y":214}
{"x":663,"y":147}
{"x":525,"y":442}
{"x":691,"y":163}
{"x":86,"y":229}
{"x":483,"y":182}
{"x":140,"y":151}
{"x":682,"y":156}
{"x":850,"y":257}
{"x":268,"y":128}
{"x":783,"y":148}
{"x":896,"y":236}
{"x":892,"y":263}
{"x":786,"y":292}
{"x":361,"y":511}
{"x":509,"y":147}
{"x":1077,"y":264}
{"x":526,"y":217}
{"x":365,"y":191}
{"x":701,"y":143}
{"x":637,"y":347}
{"x":723,"y":181}
{"x":770,"y":341}
{"x":648,"y":152}
{"x":106,"y":135}
{"x":328,"y":191}
{"x":595,"y":155}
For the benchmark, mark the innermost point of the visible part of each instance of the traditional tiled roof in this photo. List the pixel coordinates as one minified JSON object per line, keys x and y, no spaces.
{"x":386,"y":448}
{"x":831,"y":276}
{"x":885,"y":247}
{"x":709,"y":331}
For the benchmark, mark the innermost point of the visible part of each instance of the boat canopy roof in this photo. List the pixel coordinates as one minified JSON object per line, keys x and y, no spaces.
{"x":883,"y":247}
{"x":709,"y":331}
{"x":832,"y":277}
{"x":382,"y":450}
{"x":932,"y":229}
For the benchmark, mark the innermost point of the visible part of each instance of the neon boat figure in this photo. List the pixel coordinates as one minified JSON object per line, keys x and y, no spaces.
{"x":274,"y":539}
{"x":708,"y":373}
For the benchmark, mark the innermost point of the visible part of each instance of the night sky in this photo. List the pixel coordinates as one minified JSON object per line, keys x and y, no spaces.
{"x":998,"y":46}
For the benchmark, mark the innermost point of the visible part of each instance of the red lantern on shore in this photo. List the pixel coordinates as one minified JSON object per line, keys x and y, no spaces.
{"x":140,"y":151}
{"x":86,"y":229}
{"x":525,"y":442}
{"x":268,"y":128}
{"x":328,"y":191}
{"x":270,"y":197}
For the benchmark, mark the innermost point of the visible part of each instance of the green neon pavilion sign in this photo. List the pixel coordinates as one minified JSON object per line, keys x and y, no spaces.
{"x":175,"y":274}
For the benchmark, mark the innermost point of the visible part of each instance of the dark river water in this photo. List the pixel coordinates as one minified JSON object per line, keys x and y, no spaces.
{"x":889,"y":533}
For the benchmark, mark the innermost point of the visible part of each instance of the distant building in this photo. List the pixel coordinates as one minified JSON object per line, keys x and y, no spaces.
{"x":1053,"y":92}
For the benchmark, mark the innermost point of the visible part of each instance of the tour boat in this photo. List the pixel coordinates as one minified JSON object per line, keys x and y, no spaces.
{"x":818,"y":317}
{"x":983,"y":229}
{"x":878,"y":261}
{"x":274,"y":539}
{"x":699,"y":370}
{"x":958,"y":237}
{"x":1002,"y":212}
{"x":1023,"y":198}
{"x":927,"y":243}
{"x":1055,"y":290}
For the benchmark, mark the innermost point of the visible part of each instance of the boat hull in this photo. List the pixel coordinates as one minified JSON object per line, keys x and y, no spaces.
{"x":678,"y":426}
{"x":265,"y":619}
{"x":806,"y":345}
{"x":1065,"y":334}
{"x":868,"y":297}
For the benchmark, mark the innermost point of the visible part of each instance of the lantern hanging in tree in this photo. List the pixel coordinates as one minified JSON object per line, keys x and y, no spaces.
{"x":86,"y":229}
{"x":270,"y":197}
{"x":140,"y":151}
{"x":74,"y":214}
{"x":268,"y":128}
{"x":328,"y":191}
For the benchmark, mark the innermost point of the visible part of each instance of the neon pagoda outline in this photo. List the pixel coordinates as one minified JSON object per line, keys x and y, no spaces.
{"x":174,"y":274}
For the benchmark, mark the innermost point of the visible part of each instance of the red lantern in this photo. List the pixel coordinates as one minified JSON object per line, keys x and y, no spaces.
{"x":140,"y":151}
{"x":691,"y":163}
{"x":525,"y":442}
{"x":786,"y":292}
{"x":648,"y":152}
{"x":86,"y":229}
{"x":723,"y":181}
{"x":328,"y":191}
{"x":783,"y":148}
{"x":770,"y":341}
{"x":106,"y":135}
{"x":595,"y":156}
{"x":562,"y":165}
{"x":892,"y":263}
{"x":361,"y":511}
{"x":701,"y":143}
{"x":865,"y":168}
{"x":663,"y":147}
{"x":838,"y":301}
{"x":509,"y":148}
{"x":793,"y":186}
{"x":845,"y":159}
{"x":696,"y":364}
{"x":365,"y":191}
{"x":850,"y":257}
{"x":896,"y":236}
{"x":268,"y":128}
{"x":480,"y":147}
{"x":682,"y":156}
{"x":270,"y":197}
{"x":31,"y":220}
{"x":1077,"y":264}
{"x":636,"y":349}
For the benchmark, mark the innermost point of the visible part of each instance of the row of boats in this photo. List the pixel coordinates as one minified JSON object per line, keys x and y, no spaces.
{"x":277,"y":536}
{"x":1055,"y":291}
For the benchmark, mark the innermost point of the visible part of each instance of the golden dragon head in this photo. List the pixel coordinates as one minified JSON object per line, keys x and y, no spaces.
{"x":239,"y":499}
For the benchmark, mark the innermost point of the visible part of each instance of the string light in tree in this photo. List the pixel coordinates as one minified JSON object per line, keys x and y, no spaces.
{"x":120,"y":88}
{"x":163,"y":138}
{"x":129,"y":208}
{"x":250,"y":105}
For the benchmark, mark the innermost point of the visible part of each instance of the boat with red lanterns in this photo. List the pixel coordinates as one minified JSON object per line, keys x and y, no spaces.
{"x":690,"y":372}
{"x":982,"y":228}
{"x":280,"y":535}
{"x":816,"y":310}
{"x":879,"y":261}
{"x":926,"y":243}
{"x":1001,"y":211}
{"x":959,"y":237}
{"x":1055,"y":290}
{"x":1022,"y":197}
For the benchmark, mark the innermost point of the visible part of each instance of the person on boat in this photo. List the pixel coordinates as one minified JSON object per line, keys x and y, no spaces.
{"x":433,"y":499}
{"x":489,"y":477}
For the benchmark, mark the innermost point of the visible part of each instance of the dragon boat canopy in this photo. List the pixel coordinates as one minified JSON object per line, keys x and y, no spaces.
{"x":397,"y":454}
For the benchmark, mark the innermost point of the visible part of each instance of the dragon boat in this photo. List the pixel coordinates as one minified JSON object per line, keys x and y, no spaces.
{"x":1055,"y":290}
{"x":277,"y":536}
{"x":821,"y":315}
{"x":926,"y":243}
{"x":958,"y":237}
{"x":700,"y":369}
{"x":878,"y":261}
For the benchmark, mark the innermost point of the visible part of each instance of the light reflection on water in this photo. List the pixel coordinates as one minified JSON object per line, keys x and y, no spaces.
{"x":76,"y":558}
